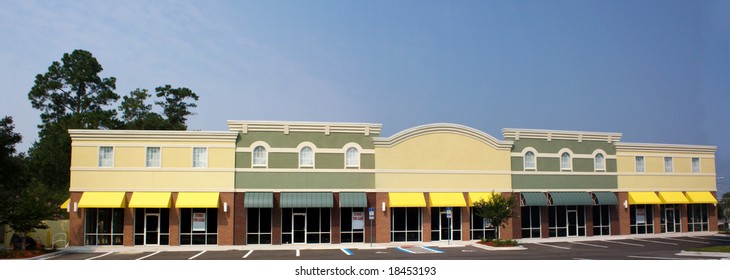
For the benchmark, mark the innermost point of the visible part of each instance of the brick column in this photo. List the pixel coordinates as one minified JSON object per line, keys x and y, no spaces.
{"x":466,"y":220}
{"x":657,"y":217}
{"x":426,"y":221}
{"x":128,"y":237}
{"x":335,"y":229}
{"x":276,"y":221}
{"x":382,"y":218}
{"x":239,"y":219}
{"x":683,"y":217}
{"x":513,"y":227}
{"x":225,"y":219}
{"x":174,"y":222}
{"x":620,"y":216}
{"x":75,"y":222}
{"x":589,"y":220}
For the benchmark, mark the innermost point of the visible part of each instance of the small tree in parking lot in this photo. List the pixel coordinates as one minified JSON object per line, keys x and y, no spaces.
{"x":496,"y":210}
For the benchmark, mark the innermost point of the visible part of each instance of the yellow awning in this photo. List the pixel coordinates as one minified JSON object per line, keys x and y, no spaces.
{"x":197,"y":200}
{"x":407,"y":200}
{"x":644,"y":198}
{"x":447,"y":199}
{"x":150,"y":200}
{"x":102,"y":200}
{"x":673,"y":198}
{"x":64,"y":206}
{"x":476,"y":196}
{"x":700,"y":197}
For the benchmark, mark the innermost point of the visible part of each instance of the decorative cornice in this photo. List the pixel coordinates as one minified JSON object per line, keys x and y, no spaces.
{"x":442,"y":128}
{"x":580,"y":136}
{"x":321,"y":127}
{"x":651,"y":147}
{"x":152,"y":135}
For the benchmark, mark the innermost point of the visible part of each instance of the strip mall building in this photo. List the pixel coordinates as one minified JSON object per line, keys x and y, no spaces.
{"x":306,"y":183}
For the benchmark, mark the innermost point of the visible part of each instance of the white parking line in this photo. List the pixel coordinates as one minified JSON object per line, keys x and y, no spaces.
{"x":685,"y":240}
{"x":586,"y":244}
{"x":196,"y":255}
{"x":564,"y":248}
{"x":92,"y":258}
{"x":297,"y":252}
{"x":249,"y":253}
{"x":657,"y":258}
{"x":654,"y":241}
{"x":624,"y":243}
{"x":710,"y":238}
{"x":147,"y":256}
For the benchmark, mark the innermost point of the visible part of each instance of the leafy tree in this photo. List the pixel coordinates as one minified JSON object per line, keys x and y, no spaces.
{"x":137,"y":114}
{"x":174,"y":106}
{"x":496,"y":210}
{"x":10,"y":166}
{"x":723,"y":209}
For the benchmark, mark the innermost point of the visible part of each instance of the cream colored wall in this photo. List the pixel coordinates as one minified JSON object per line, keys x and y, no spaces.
{"x":442,"y":161}
{"x":655,"y":179}
{"x":129,"y":172}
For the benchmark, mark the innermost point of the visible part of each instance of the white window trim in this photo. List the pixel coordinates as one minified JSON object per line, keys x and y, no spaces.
{"x":308,"y":166}
{"x":595,"y":154}
{"x":570,"y":155}
{"x":192,"y":154}
{"x":643,"y":164}
{"x":664,"y":159}
{"x":267,"y":149}
{"x":524,"y":162}
{"x":699,"y":165}
{"x":145,"y":156}
{"x":359,"y":155}
{"x":98,"y":155}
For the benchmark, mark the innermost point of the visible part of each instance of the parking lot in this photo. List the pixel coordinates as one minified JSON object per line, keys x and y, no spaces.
{"x":658,"y":248}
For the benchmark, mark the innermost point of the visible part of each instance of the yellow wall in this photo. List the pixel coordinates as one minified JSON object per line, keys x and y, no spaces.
{"x":442,"y":161}
{"x":129,"y":172}
{"x":654,"y":178}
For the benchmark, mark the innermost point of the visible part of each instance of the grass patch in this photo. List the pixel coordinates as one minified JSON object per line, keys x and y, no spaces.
{"x":715,"y":249}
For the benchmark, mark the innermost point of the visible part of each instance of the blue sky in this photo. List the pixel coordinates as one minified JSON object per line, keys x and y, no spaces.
{"x":656,"y":71}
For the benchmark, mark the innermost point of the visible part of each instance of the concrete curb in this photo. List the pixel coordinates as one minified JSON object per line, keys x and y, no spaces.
{"x":490,"y":248}
{"x":48,"y":256}
{"x":704,"y":254}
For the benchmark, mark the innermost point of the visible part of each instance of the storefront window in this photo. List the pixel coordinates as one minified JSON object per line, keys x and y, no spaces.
{"x":104,"y":226}
{"x":405,"y":224}
{"x":530,"y":221}
{"x":642,"y":219}
{"x":151,"y":226}
{"x":352,"y":225}
{"x":305,"y":225}
{"x":670,"y":218}
{"x":697,"y":217}
{"x":566,"y":221}
{"x":258,"y":226}
{"x":440,"y":224}
{"x":601,"y":220}
{"x":198,"y":226}
{"x":481,"y":228}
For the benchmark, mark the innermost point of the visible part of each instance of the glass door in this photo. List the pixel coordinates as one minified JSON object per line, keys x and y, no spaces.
{"x":152,"y":229}
{"x":669,"y":218}
{"x":445,"y":227}
{"x":299,"y":228}
{"x":572,"y":223}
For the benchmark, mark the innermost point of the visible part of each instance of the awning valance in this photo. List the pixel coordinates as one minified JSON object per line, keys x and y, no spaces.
{"x":605,"y":198}
{"x":476,"y":196}
{"x":197,"y":200}
{"x":258,"y":200}
{"x":150,"y":200}
{"x":700,"y":197}
{"x":414,"y":199}
{"x":673,"y":198}
{"x":353,"y":199}
{"x":306,"y":200}
{"x":102,"y":200}
{"x":447,"y":199}
{"x":534,"y":199}
{"x":571,"y":198}
{"x":644,"y":198}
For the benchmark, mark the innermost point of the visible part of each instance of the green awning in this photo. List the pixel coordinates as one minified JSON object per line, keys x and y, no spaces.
{"x":571,"y":198}
{"x":605,"y":198}
{"x":534,"y":199}
{"x":258,"y":200}
{"x":353,"y":199}
{"x":306,"y":200}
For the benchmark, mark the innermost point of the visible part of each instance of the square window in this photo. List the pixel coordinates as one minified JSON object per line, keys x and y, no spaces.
{"x":106,"y":156}
{"x":153,"y":157}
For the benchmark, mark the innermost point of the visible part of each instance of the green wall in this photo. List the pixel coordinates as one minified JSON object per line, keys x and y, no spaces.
{"x":292,"y":140}
{"x":304,"y":180}
{"x":554,"y":146}
{"x":553,"y":164}
{"x":539,"y":181}
{"x":291,"y":160}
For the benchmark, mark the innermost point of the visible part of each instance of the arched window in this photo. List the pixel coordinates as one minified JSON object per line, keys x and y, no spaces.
{"x":306,"y":157}
{"x":565,"y":161}
{"x":259,"y":156}
{"x":530,"y":160}
{"x":352,"y":157}
{"x":600,"y":162}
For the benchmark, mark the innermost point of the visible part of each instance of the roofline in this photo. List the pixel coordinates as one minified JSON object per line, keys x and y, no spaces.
{"x":518,"y":133}
{"x":442,"y":128}
{"x":288,"y":126}
{"x":628,"y":146}
{"x":165,"y":135}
